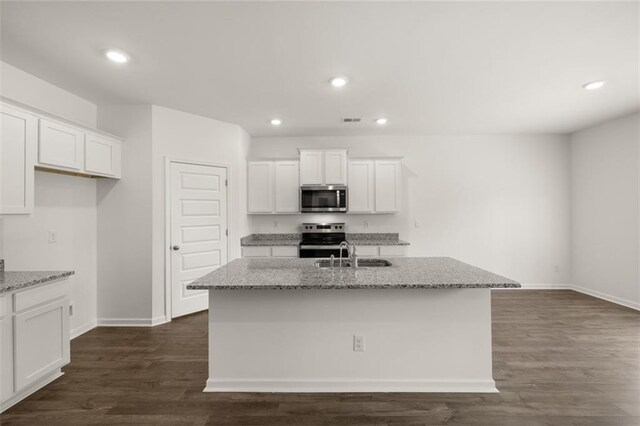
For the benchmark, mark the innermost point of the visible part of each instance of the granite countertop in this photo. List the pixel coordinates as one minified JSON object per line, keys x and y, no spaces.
{"x":405,"y":272}
{"x":359,"y":239}
{"x":20,"y":280}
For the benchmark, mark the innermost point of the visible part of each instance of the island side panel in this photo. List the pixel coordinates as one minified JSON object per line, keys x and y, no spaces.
{"x":416,"y":340}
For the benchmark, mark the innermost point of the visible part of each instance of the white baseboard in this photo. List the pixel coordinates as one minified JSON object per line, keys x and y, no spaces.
{"x":333,"y":386}
{"x":131,"y":322}
{"x":613,"y":299}
{"x":83,"y":329}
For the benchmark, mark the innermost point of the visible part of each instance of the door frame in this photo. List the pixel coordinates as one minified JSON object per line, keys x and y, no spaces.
{"x":168,"y":310}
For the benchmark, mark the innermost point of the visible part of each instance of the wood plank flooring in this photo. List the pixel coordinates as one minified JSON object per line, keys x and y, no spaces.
{"x":560,"y":358}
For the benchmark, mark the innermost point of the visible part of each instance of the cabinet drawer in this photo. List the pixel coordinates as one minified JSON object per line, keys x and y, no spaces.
{"x":41,"y":342}
{"x":396,"y":251}
{"x":284,"y":251}
{"x":257,"y":251}
{"x":367,"y":250}
{"x":5,"y":305}
{"x":46,"y":293}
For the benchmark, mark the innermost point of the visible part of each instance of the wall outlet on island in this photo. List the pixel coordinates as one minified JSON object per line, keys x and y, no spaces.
{"x":275,"y":224}
{"x":358,"y":343}
{"x":365,"y":224}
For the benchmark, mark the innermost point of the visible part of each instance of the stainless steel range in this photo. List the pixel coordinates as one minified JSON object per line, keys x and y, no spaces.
{"x":322,"y":240}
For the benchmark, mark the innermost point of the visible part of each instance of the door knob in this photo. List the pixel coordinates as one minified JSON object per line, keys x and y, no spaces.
{"x":175,"y":248}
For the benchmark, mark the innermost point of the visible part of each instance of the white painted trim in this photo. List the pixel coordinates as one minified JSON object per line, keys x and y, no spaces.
{"x":613,"y":299}
{"x":78,"y":331}
{"x":131,"y":322}
{"x":353,"y":385}
{"x":39,"y":384}
{"x":167,"y":222}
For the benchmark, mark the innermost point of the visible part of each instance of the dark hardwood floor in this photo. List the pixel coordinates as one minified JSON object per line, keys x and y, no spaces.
{"x":560,"y":358}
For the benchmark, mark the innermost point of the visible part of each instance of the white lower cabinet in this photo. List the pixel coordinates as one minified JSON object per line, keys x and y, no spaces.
{"x":35,"y":340}
{"x":6,"y":352}
{"x":268,"y":251}
{"x":381,"y":251}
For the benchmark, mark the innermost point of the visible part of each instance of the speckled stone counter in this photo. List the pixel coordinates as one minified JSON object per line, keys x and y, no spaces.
{"x":359,"y":239}
{"x":20,"y":280}
{"x":408,"y":272}
{"x":270,"y":240}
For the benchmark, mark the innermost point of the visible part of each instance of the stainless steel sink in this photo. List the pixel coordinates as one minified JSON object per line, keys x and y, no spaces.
{"x":362,"y":263}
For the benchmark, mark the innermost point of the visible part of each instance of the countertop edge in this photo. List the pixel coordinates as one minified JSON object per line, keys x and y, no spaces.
{"x":354,"y":287}
{"x":54,"y":275}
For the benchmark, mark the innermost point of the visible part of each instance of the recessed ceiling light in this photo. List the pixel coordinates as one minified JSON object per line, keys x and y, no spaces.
{"x":276,"y":122}
{"x":339,"y":81}
{"x":117,"y":56}
{"x":593,"y":85}
{"x":381,"y":121}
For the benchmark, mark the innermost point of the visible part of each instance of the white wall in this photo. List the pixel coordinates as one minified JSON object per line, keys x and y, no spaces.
{"x":66,"y":205}
{"x":184,"y":136}
{"x":62,"y":203}
{"x":124,"y":221}
{"x":605,"y":213}
{"x":499,"y":202}
{"x":30,"y":90}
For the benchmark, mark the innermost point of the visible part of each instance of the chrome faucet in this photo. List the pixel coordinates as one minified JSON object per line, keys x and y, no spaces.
{"x":353,"y":255}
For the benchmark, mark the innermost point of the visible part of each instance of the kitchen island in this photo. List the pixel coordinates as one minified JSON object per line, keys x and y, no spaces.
{"x":284,"y":325}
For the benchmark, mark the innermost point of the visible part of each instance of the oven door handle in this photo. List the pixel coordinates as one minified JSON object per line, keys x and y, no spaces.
{"x":302,"y":247}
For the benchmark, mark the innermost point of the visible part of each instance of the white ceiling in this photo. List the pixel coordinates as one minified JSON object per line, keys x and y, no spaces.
{"x":454,"y":67}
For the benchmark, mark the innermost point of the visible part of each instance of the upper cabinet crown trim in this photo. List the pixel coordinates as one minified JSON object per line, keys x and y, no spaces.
{"x":47,"y":116}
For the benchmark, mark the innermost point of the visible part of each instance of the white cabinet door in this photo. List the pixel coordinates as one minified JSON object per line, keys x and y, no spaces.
{"x":335,"y":167}
{"x":60,"y":146}
{"x":361,"y":186}
{"x":102,"y":156}
{"x":6,"y":356}
{"x":287,"y":187}
{"x":18,"y":141}
{"x":387,"y":184}
{"x":311,"y":167}
{"x":256,"y":251}
{"x":41,"y":341}
{"x":260,"y":187}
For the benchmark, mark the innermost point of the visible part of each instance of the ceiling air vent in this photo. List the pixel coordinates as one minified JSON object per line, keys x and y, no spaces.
{"x":351,"y":120}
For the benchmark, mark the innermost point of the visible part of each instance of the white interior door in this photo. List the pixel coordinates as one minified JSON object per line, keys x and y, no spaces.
{"x":198,"y":231}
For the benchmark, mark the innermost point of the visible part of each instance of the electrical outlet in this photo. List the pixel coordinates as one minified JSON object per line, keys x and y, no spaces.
{"x":417,"y":224}
{"x":275,"y":224}
{"x":358,"y":343}
{"x":53,"y":237}
{"x":556,"y":268}
{"x":365,"y":223}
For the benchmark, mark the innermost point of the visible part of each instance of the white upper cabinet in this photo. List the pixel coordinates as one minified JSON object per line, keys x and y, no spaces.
{"x":323,"y":167}
{"x":273,"y":186}
{"x":260,"y":187}
{"x":61,"y":146}
{"x":287,"y":187}
{"x":18,"y":144}
{"x":361,"y":186}
{"x":335,"y":167}
{"x":311,"y":167}
{"x":388,"y":185}
{"x":102,"y":156}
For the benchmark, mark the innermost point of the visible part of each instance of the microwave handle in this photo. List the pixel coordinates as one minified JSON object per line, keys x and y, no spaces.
{"x":338,"y":196}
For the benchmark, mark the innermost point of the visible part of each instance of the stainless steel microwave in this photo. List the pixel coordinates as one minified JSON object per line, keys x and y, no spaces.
{"x":323,"y":198}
